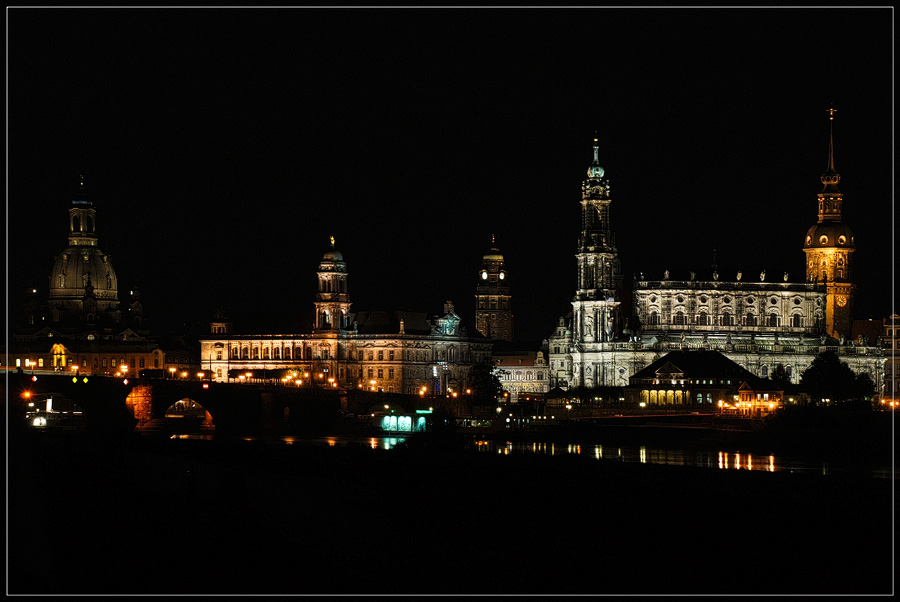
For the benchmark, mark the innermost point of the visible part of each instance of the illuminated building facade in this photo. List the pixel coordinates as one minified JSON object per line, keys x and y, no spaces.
{"x":493,"y":313}
{"x":522,"y":373}
{"x":702,"y":379}
{"x":890,"y":391}
{"x":401,"y":352}
{"x":83,"y":327}
{"x":760,"y":324}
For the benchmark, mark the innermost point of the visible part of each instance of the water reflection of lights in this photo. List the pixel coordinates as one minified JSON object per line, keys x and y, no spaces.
{"x":332,"y":441}
{"x":384,"y":442}
{"x":649,"y":455}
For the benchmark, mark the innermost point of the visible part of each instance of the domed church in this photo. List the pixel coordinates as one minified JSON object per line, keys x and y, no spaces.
{"x":82,"y":325}
{"x":83,"y":285}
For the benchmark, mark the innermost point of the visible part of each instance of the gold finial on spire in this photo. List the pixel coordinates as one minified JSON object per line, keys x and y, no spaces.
{"x":332,"y":242}
{"x":831,"y":113}
{"x":492,"y":239}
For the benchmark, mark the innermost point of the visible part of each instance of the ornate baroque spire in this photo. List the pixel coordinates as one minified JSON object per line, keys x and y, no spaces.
{"x":831,"y":178}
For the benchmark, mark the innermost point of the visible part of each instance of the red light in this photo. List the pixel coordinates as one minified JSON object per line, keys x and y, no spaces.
{"x":125,"y":381}
{"x":34,"y":378}
{"x":205,"y":385}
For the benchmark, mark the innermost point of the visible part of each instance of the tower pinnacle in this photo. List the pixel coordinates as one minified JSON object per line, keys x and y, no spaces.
{"x":831,"y":178}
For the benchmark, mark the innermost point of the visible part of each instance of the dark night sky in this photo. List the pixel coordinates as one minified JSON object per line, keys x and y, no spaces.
{"x":223,"y":147}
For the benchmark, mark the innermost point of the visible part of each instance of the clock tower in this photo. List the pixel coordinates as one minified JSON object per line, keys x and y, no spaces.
{"x":829,"y":247}
{"x":493,"y":315}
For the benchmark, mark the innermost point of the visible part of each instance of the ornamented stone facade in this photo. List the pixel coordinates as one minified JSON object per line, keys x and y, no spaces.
{"x":759,"y":324}
{"x":522,"y":373}
{"x":401,"y":352}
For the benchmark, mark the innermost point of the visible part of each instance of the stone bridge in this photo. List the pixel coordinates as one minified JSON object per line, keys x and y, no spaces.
{"x":112,"y":405}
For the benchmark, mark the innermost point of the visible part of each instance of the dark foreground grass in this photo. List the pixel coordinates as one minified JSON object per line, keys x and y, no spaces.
{"x":182,"y":517}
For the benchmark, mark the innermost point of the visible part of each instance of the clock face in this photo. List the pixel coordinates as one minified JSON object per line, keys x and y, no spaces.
{"x":502,"y":275}
{"x":484,"y":275}
{"x":841,"y":301}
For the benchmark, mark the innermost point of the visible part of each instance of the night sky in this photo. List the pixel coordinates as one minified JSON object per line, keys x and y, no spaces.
{"x":223,"y":147}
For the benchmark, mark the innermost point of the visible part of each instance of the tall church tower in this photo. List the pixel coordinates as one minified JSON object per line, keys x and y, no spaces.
{"x":596,"y":305}
{"x":493,"y":315}
{"x":332,"y":299}
{"x":829,"y":246}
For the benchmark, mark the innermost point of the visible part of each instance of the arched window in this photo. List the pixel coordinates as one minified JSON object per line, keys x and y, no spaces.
{"x":678,"y":319}
{"x":703,"y":319}
{"x":727,"y":319}
{"x":265,"y":353}
{"x":765,"y":372}
{"x":654,"y":318}
{"x":749,"y":319}
{"x":773,"y":320}
{"x":276,"y":353}
{"x":245,"y":353}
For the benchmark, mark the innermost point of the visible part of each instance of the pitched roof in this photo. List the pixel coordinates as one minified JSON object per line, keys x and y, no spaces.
{"x":696,"y":363}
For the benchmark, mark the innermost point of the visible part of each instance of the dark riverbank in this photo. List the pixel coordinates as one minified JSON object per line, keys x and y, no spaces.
{"x":142,"y":516}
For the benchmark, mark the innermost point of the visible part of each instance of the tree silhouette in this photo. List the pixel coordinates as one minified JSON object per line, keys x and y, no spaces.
{"x":830,"y":378}
{"x":484,"y":384}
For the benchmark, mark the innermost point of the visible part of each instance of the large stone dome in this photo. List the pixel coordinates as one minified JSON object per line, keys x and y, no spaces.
{"x":829,"y":235}
{"x":74,"y":267}
{"x":82,"y":271}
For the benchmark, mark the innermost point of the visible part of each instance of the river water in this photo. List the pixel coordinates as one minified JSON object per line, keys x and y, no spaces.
{"x":717,"y":460}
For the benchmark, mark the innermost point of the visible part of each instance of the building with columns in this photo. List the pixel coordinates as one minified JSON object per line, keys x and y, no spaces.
{"x":758,"y":322}
{"x":395,"y":351}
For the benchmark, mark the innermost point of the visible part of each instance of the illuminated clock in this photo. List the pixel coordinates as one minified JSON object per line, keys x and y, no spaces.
{"x":502,"y":275}
{"x":484,"y":275}
{"x":841,"y":300}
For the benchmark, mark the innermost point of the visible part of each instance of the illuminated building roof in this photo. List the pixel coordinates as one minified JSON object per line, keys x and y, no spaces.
{"x":332,"y":254}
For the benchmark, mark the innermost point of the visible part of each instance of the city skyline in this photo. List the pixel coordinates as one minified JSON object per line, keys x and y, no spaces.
{"x":221,"y":163}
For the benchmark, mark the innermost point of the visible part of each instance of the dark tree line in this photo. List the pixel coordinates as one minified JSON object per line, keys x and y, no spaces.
{"x":830,"y":378}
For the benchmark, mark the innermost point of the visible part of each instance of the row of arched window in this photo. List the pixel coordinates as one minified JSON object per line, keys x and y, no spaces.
{"x":726,"y":319}
{"x":255,"y":353}
{"x":527,"y":375}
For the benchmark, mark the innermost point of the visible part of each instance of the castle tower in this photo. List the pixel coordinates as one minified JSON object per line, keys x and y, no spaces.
{"x":493,"y":315}
{"x":829,"y":246}
{"x":81,"y":263}
{"x":596,"y":304}
{"x":332,"y":298}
